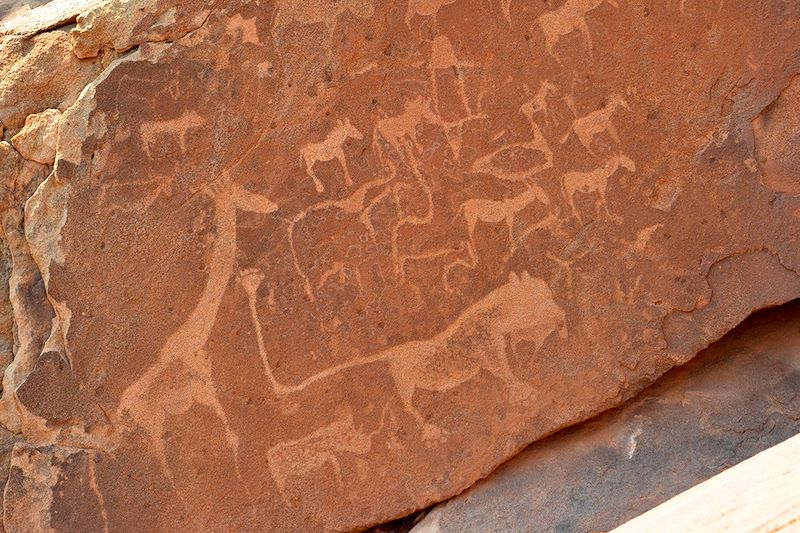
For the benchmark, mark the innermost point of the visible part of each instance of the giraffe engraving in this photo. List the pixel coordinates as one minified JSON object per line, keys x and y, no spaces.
{"x":185,"y":349}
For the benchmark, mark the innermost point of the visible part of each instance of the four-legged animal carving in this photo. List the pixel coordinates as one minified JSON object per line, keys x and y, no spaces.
{"x":496,"y":211}
{"x":328,"y":149}
{"x":595,"y":123}
{"x":401,"y":133}
{"x":293,"y":459}
{"x":325,"y":12}
{"x":521,"y":309}
{"x":594,"y":181}
{"x":569,"y":17}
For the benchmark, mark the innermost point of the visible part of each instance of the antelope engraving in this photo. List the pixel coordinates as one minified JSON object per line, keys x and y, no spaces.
{"x":594,"y":181}
{"x":329,"y":149}
{"x":496,"y":211}
{"x":595,"y":123}
{"x":523,"y":309}
{"x":151,"y":132}
{"x":569,"y":17}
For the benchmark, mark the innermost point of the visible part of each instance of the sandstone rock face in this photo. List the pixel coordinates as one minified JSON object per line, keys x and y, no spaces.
{"x":313,"y":265}
{"x":39,"y":73}
{"x":732,"y":401}
{"x":37,"y":139}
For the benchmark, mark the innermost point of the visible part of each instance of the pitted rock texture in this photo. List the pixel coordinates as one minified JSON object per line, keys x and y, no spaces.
{"x":314,"y":265}
{"x":732,"y":401}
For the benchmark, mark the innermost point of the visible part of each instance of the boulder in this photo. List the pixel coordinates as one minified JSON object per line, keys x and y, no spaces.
{"x":734,"y":400}
{"x":314,"y":265}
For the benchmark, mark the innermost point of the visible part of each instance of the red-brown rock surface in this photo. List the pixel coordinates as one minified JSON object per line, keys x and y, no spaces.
{"x":316,"y":264}
{"x":735,"y":399}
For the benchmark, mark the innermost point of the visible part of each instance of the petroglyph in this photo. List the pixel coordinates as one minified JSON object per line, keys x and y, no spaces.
{"x":404,"y":220}
{"x":496,"y":211}
{"x":153,"y":136}
{"x":595,"y":123}
{"x":425,"y":8}
{"x":151,"y":133}
{"x":400,"y":132}
{"x":643,"y":237}
{"x":354,"y":204}
{"x":539,"y":102}
{"x":570,"y":16}
{"x":522,"y":309}
{"x":245,"y":28}
{"x":594,"y":181}
{"x":185,"y":348}
{"x":324,"y":12}
{"x":238,"y":345}
{"x":304,"y":456}
{"x":252,"y":202}
{"x":329,"y":149}
{"x":550,"y":222}
{"x":438,"y":253}
{"x":338,"y":270}
{"x":443,"y":57}
{"x":488,"y":165}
